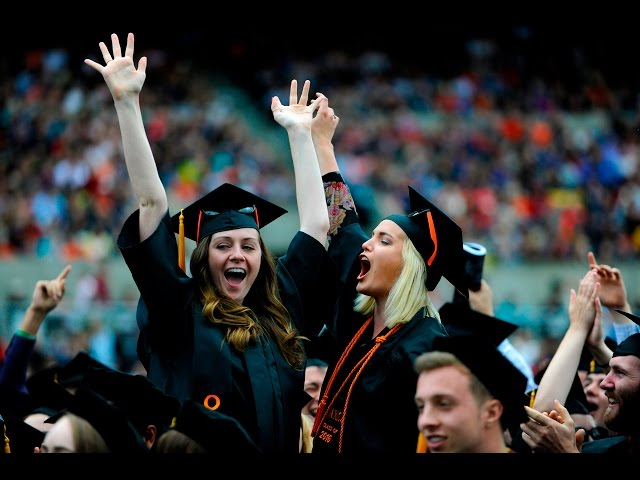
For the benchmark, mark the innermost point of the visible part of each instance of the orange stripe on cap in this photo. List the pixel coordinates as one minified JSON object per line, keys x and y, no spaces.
{"x":434,"y":237}
{"x":198,"y":230}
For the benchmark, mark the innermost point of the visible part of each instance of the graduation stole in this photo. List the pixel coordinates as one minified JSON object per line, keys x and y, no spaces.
{"x":352,"y":377}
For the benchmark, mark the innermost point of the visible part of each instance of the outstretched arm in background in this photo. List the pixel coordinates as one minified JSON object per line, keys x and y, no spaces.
{"x":584,"y":308}
{"x":125,"y":82}
{"x":47,"y":294}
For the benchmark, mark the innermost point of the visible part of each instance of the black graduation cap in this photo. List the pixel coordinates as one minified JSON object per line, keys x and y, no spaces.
{"x":460,"y":319}
{"x":110,"y":421}
{"x":495,"y":371}
{"x":631,"y":344}
{"x":214,"y":431}
{"x":141,"y":401}
{"x":72,"y":372}
{"x":437,"y":238}
{"x":226,"y":208}
{"x":49,"y":388}
{"x":17,"y":435}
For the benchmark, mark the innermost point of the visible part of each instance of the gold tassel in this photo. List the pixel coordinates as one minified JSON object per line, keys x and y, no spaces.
{"x":7,"y":447}
{"x":181,"y":254}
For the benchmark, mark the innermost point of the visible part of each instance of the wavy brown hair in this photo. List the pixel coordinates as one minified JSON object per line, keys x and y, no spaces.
{"x":262,"y":312}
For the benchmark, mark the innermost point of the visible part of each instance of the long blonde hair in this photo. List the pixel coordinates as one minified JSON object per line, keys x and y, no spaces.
{"x":407,"y":295}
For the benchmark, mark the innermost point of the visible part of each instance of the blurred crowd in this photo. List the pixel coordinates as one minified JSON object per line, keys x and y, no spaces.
{"x":530,"y":164}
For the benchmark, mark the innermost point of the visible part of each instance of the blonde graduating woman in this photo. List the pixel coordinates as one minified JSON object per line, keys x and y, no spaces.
{"x":385,"y":318}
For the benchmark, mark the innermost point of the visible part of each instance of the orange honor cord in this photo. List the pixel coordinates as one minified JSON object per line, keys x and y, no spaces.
{"x":434,"y":237}
{"x":181,"y":254}
{"x":350,"y":380}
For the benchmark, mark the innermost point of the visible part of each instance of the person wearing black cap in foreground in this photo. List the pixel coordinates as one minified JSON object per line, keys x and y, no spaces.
{"x":467,"y":395}
{"x":389,"y":277}
{"x":230,"y":335}
{"x":196,"y":429}
{"x":92,"y":424}
{"x":148,"y":408}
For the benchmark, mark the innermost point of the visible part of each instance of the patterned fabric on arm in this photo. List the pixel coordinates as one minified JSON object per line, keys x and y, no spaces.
{"x":340,"y":204}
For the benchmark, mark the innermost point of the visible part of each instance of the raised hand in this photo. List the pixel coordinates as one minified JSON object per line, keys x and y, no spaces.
{"x":582,"y":305}
{"x":297,"y":113}
{"x":48,"y":293}
{"x":552,"y":433}
{"x":119,"y":72}
{"x":325,"y":122}
{"x":613,"y":293}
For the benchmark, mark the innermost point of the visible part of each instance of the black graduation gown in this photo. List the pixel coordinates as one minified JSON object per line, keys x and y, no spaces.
{"x":382,"y":415}
{"x":186,"y":355}
{"x":616,"y":444}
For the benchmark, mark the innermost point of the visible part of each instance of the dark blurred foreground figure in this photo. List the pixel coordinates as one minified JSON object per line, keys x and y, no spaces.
{"x":92,"y":424}
{"x":229,"y":336}
{"x":196,"y":429}
{"x":148,"y":408}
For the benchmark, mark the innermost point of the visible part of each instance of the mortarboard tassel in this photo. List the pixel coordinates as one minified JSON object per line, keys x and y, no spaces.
{"x":181,"y":255}
{"x":532,"y":398}
{"x":7,"y":447}
{"x":423,"y":446}
{"x":432,"y":231}
{"x":592,"y":365}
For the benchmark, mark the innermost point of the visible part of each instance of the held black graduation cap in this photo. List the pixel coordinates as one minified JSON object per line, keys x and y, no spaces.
{"x":496,"y":372}
{"x":214,"y":431}
{"x":141,"y":401}
{"x":226,"y":208}
{"x":631,"y":344}
{"x":460,"y":319}
{"x":437,"y":238}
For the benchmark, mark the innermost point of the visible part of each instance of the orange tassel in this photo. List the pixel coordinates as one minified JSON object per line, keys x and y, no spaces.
{"x":423,"y":446}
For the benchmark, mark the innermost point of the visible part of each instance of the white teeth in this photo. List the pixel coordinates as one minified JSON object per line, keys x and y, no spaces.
{"x":236,"y":270}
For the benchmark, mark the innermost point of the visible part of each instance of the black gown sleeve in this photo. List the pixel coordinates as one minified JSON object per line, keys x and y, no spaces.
{"x":167,"y":292}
